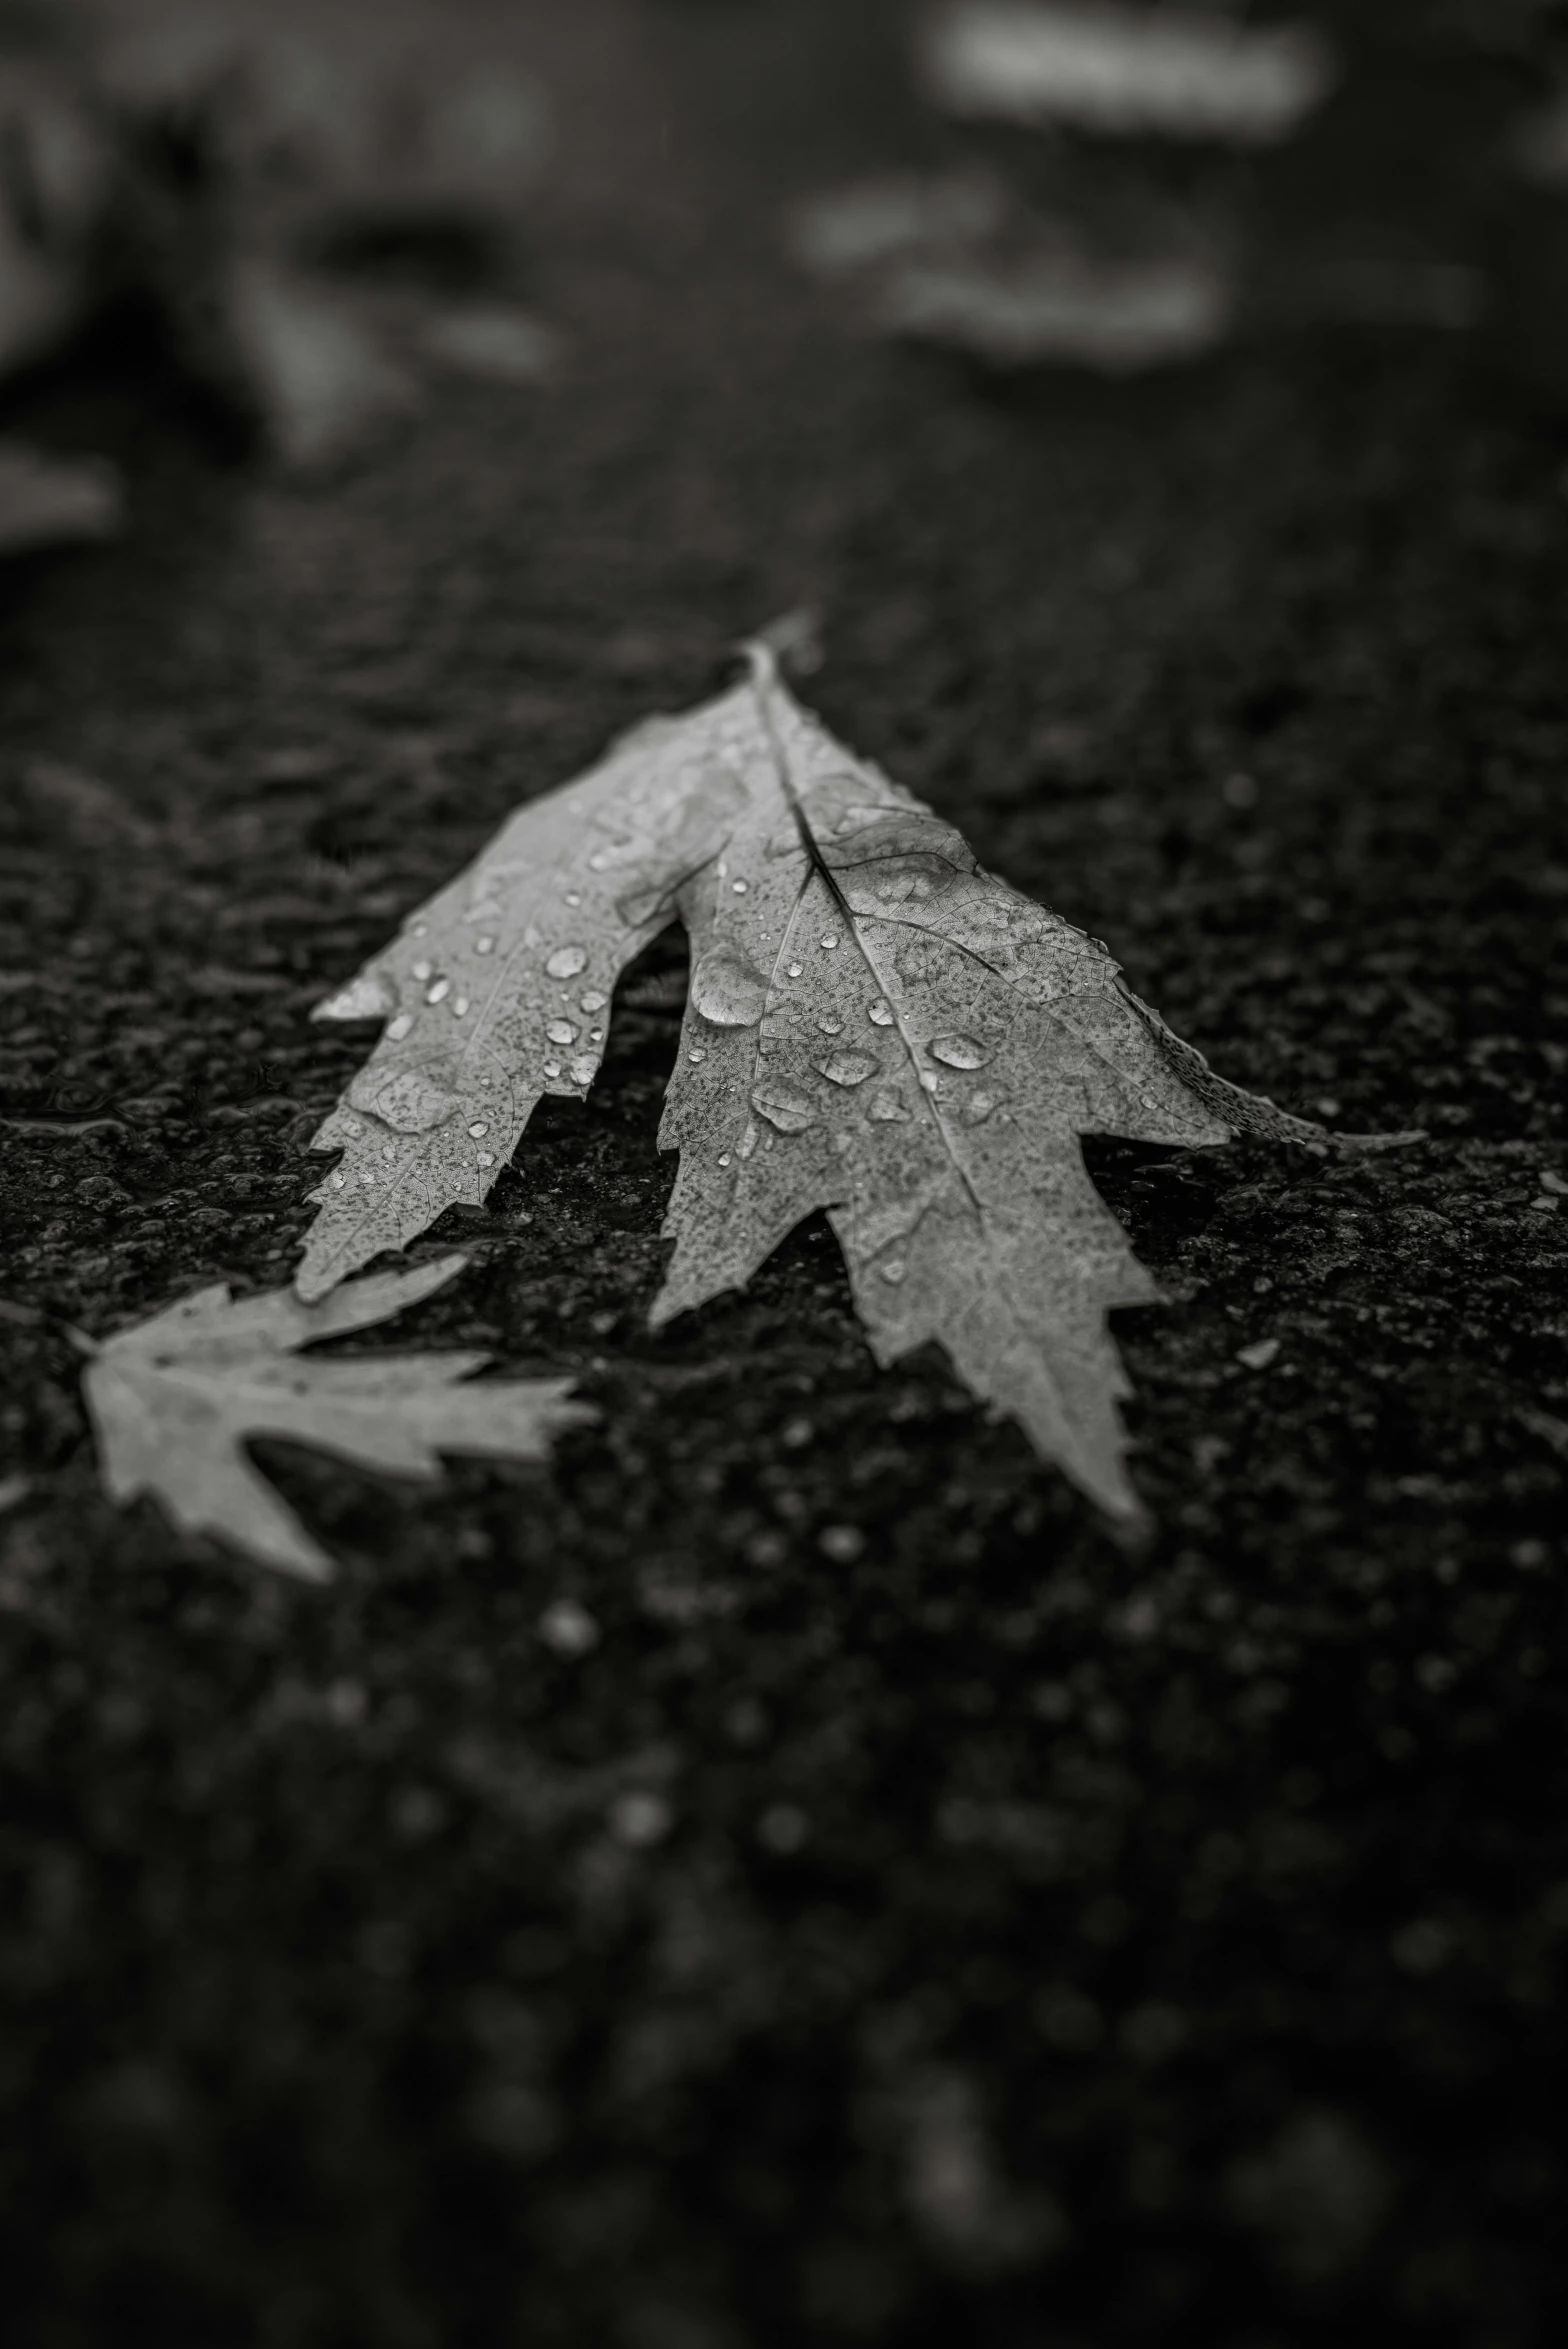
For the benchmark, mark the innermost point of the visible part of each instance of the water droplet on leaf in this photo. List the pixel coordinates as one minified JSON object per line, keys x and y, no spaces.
{"x":893,"y":1271}
{"x":830,"y":939}
{"x":410,"y":1102}
{"x":397,"y":1029}
{"x":847,"y":1068}
{"x":888,"y":1110}
{"x":561,"y":1032}
{"x":422,"y":969}
{"x":439,"y":992}
{"x":584,"y":1069}
{"x":479,"y":1131}
{"x":567,"y":961}
{"x":485,"y":1157}
{"x":958,"y":1051}
{"x":640,"y":905}
{"x":552,"y":1068}
{"x":790,"y":1111}
{"x":485,"y":945}
{"x":593,"y":1000}
{"x":832,"y":1025}
{"x":980,"y":1108}
{"x":880,"y":1015}
{"x":795,"y":969}
{"x":728,"y":990}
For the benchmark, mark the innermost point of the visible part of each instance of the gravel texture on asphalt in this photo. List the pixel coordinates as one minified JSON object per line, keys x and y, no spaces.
{"x":782,"y":1875}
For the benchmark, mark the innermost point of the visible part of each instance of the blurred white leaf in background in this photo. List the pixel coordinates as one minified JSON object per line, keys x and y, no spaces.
{"x":322,"y":385}
{"x":1118,"y":317}
{"x":1178,"y":73}
{"x":954,"y":258}
{"x":887,"y":218}
{"x":56,"y":168}
{"x":494,"y":341}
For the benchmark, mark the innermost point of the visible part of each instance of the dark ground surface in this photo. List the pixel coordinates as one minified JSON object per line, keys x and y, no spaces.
{"x":1015,"y":1941}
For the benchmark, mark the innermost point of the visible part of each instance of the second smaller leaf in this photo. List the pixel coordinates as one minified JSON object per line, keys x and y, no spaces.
{"x":174,"y":1400}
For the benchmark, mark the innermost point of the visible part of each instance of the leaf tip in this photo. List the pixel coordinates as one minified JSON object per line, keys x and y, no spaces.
{"x":427,"y":1278}
{"x":792,"y":641}
{"x":366,"y":998}
{"x":314,"y":1280}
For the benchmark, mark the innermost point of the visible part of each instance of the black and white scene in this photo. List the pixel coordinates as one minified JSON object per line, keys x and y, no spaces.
{"x":783,"y":1174}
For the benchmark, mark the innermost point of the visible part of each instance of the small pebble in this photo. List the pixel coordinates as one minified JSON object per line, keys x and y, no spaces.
{"x":568,"y":1627}
{"x":640,"y":1818}
{"x":783,"y":1828}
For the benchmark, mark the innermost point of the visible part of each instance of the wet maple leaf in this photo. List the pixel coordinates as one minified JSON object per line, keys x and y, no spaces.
{"x":875,"y":1027}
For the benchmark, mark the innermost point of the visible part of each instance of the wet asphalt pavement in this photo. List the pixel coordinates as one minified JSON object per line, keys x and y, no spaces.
{"x":783,"y":1876}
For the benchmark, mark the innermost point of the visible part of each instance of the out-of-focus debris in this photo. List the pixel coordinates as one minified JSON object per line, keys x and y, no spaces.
{"x":956,"y":257}
{"x":56,"y":171}
{"x":495,"y":341}
{"x":1120,"y":317}
{"x":892,"y":217}
{"x":310,"y":150}
{"x":1176,"y":73}
{"x":289,"y":198}
{"x":319,"y":381}
{"x":55,"y":501}
{"x":312,"y":129}
{"x":953,"y":258}
{"x":1551,"y":1430}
